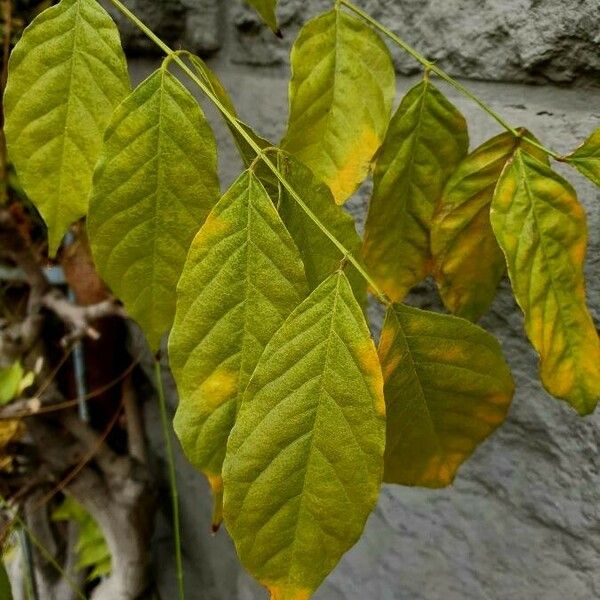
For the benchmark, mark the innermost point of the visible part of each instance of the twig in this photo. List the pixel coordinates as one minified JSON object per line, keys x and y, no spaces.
{"x":43,"y":403}
{"x":135,"y":428}
{"x":77,"y":318}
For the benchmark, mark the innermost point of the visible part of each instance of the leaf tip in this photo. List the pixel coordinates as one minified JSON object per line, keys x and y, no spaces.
{"x":216,"y":486}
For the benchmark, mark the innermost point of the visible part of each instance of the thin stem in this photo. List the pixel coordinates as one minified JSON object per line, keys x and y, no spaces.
{"x":172,"y":476}
{"x":174,"y":57}
{"x":431,"y":66}
{"x":43,"y":550}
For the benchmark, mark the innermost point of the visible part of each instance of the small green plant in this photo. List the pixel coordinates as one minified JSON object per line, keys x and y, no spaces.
{"x":285,"y":403}
{"x":92,"y":552}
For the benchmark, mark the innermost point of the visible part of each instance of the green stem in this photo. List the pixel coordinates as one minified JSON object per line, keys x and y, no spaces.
{"x":31,"y":588}
{"x":173,"y":56}
{"x":172,"y":476}
{"x":431,"y":66}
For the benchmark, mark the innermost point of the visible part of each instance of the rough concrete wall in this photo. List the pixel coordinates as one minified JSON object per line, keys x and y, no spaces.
{"x":508,"y":40}
{"x":522,"y":520}
{"x":499,"y":40}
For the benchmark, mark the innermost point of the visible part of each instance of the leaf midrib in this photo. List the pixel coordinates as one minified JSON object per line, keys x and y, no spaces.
{"x":542,"y":244}
{"x":159,"y":182}
{"x":65,"y":128}
{"x":312,"y":428}
{"x":405,"y":178}
{"x":413,"y":366}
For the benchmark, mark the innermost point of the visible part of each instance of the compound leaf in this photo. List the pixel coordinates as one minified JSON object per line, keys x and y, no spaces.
{"x":447,"y":388}
{"x":154,"y":185}
{"x":541,"y":228}
{"x":339,"y":103}
{"x":67,"y":75}
{"x":320,"y":256}
{"x":305,"y":457}
{"x":425,"y":142}
{"x":267,"y":10}
{"x":242,"y":278}
{"x":468,"y":263}
{"x":586,"y":158}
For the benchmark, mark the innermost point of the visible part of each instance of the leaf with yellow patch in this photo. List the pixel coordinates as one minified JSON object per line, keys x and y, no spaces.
{"x":425,"y":142}
{"x":468,"y":263}
{"x":305,"y":457}
{"x":340,"y":103}
{"x":242,"y":278}
{"x":586,"y":158}
{"x":447,"y":388}
{"x":541,"y":228}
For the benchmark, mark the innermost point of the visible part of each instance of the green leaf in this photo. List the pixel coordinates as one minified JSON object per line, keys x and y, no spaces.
{"x":267,"y":10}
{"x":340,"y":100}
{"x":5,"y":591}
{"x":218,"y":89}
{"x":426,"y":141}
{"x":67,"y":75}
{"x":320,"y":256}
{"x":304,"y":460}
{"x":447,"y":388}
{"x":13,"y":381}
{"x":92,"y":550}
{"x":586,"y":158}
{"x":153,"y":188}
{"x":468,"y":263}
{"x":541,"y":228}
{"x":10,"y":381}
{"x":242,"y":278}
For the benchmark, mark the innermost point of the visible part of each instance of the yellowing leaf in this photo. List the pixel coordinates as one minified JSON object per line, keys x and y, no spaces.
{"x":10,"y":431}
{"x":586,"y":158}
{"x":541,"y":228}
{"x":304,"y":460}
{"x":218,"y":89}
{"x":321,"y":258}
{"x":266,"y":9}
{"x":426,"y":140}
{"x":447,"y":388}
{"x":154,"y":186}
{"x":242,"y":278}
{"x":341,"y":95}
{"x":67,"y":75}
{"x":468,"y":263}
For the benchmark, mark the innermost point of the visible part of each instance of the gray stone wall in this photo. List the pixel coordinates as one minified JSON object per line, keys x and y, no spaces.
{"x":522,"y":521}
